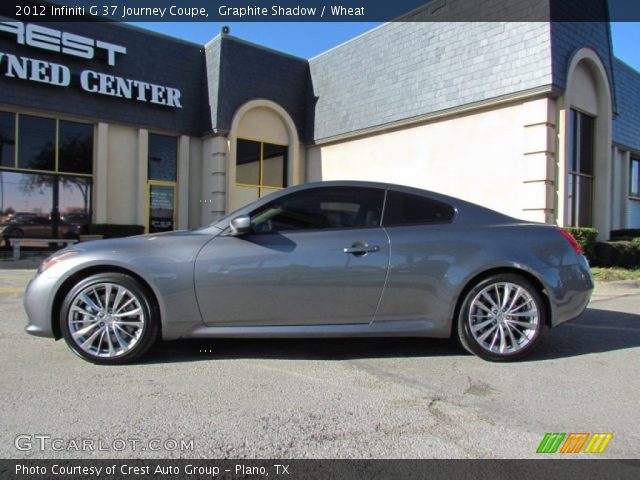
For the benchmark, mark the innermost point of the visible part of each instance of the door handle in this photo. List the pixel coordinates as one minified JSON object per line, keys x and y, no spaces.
{"x":361,"y":249}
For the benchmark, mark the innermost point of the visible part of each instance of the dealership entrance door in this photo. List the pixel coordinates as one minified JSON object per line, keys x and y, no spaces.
{"x":162,"y":206}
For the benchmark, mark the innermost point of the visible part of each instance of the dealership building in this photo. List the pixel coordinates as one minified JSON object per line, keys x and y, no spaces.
{"x":106,"y":123}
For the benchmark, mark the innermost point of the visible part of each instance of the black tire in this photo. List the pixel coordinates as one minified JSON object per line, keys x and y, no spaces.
{"x":15,"y":233}
{"x":142,"y":337}
{"x":531,"y":307}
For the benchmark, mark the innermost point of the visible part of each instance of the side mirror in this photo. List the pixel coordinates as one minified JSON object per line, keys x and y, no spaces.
{"x":240,"y":225}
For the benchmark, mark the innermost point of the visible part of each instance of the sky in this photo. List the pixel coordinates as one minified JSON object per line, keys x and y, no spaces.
{"x":307,"y":39}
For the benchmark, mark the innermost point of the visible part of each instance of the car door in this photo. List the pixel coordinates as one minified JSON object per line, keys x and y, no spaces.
{"x":316,"y":256}
{"x":425,"y":257}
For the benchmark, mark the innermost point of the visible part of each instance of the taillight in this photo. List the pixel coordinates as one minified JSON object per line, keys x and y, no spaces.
{"x":576,"y":246}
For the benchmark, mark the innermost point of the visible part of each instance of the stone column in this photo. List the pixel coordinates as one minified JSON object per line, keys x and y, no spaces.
{"x":215,"y":152}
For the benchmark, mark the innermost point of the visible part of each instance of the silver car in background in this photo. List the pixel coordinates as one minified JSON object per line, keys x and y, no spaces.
{"x":329,"y":259}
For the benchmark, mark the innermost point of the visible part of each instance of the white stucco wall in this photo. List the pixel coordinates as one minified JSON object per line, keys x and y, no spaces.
{"x":484,"y":157}
{"x":122,"y":175}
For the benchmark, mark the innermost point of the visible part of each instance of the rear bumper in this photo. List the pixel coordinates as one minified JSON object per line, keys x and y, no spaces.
{"x":569,"y":289}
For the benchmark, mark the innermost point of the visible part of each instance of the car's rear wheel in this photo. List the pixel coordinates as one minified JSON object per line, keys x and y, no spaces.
{"x":107,"y":319}
{"x":502,"y":318}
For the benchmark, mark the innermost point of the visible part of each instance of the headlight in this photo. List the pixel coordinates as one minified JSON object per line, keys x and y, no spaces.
{"x":56,"y":258}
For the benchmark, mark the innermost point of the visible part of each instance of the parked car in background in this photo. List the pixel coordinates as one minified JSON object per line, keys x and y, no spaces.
{"x":330,"y":259}
{"x":34,"y":226}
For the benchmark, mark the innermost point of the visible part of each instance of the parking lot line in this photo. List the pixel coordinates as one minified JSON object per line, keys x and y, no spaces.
{"x":11,"y":290}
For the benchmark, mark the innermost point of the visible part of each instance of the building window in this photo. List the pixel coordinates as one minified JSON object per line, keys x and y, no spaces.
{"x":261,"y":165}
{"x":37,"y":143}
{"x":634,"y":177}
{"x":581,"y":169}
{"x":75,"y":147}
{"x":163,"y":157}
{"x":7,"y":139}
{"x":46,"y":176}
{"x":162,"y":175}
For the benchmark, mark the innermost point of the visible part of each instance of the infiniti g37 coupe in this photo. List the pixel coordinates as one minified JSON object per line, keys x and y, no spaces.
{"x":329,"y":259}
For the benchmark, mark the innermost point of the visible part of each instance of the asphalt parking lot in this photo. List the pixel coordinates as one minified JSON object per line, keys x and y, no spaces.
{"x":380,"y":398}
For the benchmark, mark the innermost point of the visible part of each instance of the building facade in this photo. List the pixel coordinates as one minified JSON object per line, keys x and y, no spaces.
{"x":106,"y":123}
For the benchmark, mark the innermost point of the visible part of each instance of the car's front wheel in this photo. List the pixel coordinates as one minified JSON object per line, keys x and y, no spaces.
{"x":107,"y":319}
{"x":502,"y":318}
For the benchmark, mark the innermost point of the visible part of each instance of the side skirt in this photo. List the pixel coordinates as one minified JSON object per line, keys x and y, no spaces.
{"x":418,"y":328}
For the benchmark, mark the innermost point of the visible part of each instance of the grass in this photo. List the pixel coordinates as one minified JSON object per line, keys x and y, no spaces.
{"x":615,"y":273}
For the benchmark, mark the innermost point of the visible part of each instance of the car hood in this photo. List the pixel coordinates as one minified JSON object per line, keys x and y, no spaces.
{"x":180,"y":245}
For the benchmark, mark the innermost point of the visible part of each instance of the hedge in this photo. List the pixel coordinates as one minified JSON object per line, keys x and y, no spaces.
{"x":586,"y":238}
{"x":112,"y":230}
{"x":625,"y":234}
{"x":622,"y":254}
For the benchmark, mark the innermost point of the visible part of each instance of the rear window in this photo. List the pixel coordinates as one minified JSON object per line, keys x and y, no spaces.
{"x":407,"y":209}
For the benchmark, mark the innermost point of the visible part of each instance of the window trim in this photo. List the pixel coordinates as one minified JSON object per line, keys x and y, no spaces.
{"x":572,"y":174}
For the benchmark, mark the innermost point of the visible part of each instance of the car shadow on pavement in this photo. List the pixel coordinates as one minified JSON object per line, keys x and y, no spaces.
{"x":299,"y":349}
{"x":596,"y":331}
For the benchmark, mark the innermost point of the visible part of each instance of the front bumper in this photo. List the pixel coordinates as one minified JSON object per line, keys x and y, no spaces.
{"x":38,"y":303}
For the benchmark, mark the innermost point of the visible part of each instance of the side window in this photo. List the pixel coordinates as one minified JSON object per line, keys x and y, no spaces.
{"x":321,"y":208}
{"x":407,"y":209}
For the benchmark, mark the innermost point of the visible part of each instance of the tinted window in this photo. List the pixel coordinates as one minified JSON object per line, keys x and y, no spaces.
{"x":37,"y":143}
{"x":75,"y":147}
{"x":407,"y":209}
{"x":163,"y":155}
{"x":321,"y":208}
{"x":7,"y":139}
{"x":248,"y":162}
{"x":274,"y":172}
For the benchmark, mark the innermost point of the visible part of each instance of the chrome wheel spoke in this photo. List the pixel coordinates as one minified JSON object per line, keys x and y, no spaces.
{"x":490,"y":300}
{"x":495,"y":337}
{"x":119,"y":295}
{"x":487,"y":333}
{"x":523,"y":314}
{"x":129,"y":323}
{"x":481,"y":325}
{"x":525,"y":325}
{"x":83,"y":331}
{"x":503,"y":341}
{"x":515,"y":298}
{"x":82,"y":311}
{"x":87,"y":343}
{"x":89,"y":302}
{"x":506,"y":294}
{"x":107,"y":295}
{"x":130,"y":313}
{"x":124,"y":305}
{"x":112,"y":350}
{"x":512,"y":339}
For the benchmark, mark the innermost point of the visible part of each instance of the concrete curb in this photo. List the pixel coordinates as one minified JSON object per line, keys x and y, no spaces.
{"x":617,"y":285}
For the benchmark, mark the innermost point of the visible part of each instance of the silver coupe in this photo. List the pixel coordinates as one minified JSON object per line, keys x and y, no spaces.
{"x":329,"y":259}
